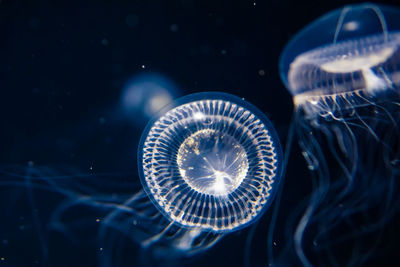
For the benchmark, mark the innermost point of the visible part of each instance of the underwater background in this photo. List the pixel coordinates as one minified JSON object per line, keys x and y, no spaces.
{"x":79,"y":82}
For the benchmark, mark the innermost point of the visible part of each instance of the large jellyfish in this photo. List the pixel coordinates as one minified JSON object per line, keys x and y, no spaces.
{"x":211,"y":165}
{"x":343,"y":71}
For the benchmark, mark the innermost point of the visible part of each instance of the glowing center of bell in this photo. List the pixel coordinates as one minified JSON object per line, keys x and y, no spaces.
{"x":212,"y":162}
{"x":357,"y":62}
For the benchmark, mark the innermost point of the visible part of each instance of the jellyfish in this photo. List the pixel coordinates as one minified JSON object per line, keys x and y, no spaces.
{"x":144,"y":95}
{"x":343,"y":72}
{"x":210,"y":164}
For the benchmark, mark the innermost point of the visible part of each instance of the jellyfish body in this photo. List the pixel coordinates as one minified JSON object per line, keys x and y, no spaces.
{"x":343,"y":72}
{"x":344,"y":59}
{"x":210,"y":163}
{"x":145,"y":94}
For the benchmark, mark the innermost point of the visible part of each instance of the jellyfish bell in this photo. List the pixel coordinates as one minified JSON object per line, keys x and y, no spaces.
{"x":210,"y":163}
{"x":344,"y":59}
{"x":343,"y":72}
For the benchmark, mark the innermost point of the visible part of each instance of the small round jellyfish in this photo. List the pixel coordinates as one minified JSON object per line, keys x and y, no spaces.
{"x":212,"y":162}
{"x":145,"y":94}
{"x":343,"y":72}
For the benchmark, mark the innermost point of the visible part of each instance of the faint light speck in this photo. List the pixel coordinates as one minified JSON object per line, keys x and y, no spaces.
{"x":33,"y":23}
{"x":261,"y":72}
{"x":104,"y":42}
{"x":219,"y":21}
{"x":351,"y":26}
{"x":132,"y":20}
{"x":174,"y":28}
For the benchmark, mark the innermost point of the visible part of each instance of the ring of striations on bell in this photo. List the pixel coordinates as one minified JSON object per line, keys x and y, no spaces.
{"x":212,"y":162}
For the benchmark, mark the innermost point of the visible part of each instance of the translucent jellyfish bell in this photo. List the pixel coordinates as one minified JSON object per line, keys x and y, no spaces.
{"x":343,"y":71}
{"x":145,"y":94}
{"x":211,"y":162}
{"x":343,"y":59}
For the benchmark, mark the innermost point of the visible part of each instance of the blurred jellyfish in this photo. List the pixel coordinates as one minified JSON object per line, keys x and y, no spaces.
{"x":146,"y":94}
{"x":343,"y":71}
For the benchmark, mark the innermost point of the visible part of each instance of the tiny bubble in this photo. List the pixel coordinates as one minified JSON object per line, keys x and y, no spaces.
{"x":219,"y":21}
{"x":33,"y":23}
{"x":394,"y":162}
{"x":104,"y":42}
{"x":91,"y":168}
{"x":101,"y":249}
{"x":174,"y":28}
{"x":143,"y":66}
{"x":132,"y":20}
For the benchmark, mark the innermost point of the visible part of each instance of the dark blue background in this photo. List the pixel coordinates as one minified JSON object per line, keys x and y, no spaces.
{"x":63,"y":65}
